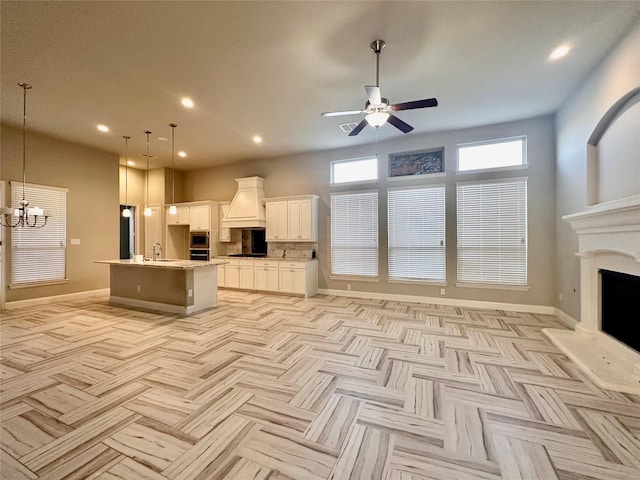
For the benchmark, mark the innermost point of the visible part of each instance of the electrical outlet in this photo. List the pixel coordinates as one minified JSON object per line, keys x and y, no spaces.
{"x":442,"y":291}
{"x":75,"y":241}
{"x":190,"y":293}
{"x":348,"y":286}
{"x":560,"y":296}
{"x":138,"y":287}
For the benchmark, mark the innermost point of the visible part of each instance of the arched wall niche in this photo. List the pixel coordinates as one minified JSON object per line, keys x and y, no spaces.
{"x":613,"y":152}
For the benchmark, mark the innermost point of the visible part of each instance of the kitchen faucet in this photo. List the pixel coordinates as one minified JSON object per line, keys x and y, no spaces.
{"x":154,"y":250}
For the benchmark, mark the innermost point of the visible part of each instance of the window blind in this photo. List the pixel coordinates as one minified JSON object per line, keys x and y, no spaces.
{"x":39,"y":254}
{"x":417,"y":234}
{"x":354,"y":234}
{"x":492,"y":233}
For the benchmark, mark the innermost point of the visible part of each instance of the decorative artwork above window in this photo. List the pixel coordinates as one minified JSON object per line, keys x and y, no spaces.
{"x":421,"y":162}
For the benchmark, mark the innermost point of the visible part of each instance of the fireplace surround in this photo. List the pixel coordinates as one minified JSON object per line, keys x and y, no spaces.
{"x":609,"y":240}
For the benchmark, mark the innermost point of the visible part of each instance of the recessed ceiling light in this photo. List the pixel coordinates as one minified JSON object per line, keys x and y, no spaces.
{"x":163,"y":139}
{"x":131,"y":163}
{"x":257,"y":139}
{"x":187,"y":102}
{"x":559,"y":52}
{"x":103,"y":128}
{"x":182,"y":154}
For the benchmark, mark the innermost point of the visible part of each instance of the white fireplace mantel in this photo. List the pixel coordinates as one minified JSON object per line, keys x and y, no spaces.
{"x":608,"y":238}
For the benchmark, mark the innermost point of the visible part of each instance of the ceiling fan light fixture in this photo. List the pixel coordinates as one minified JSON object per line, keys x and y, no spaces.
{"x":377,"y":119}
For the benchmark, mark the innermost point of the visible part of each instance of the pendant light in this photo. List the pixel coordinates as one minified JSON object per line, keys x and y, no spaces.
{"x":173,"y":210}
{"x":126,"y":213}
{"x":147,"y":208}
{"x":23,"y":212}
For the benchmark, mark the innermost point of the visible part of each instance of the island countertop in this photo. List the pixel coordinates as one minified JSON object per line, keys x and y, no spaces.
{"x":173,"y":264}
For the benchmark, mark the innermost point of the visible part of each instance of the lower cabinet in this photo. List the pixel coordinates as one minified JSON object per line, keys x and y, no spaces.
{"x":221,"y":275}
{"x":266,"y":275}
{"x":292,"y":277}
{"x":246,"y":274}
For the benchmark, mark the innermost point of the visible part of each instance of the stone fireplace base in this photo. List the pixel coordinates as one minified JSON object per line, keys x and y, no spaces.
{"x":609,"y":238}
{"x":608,"y":364}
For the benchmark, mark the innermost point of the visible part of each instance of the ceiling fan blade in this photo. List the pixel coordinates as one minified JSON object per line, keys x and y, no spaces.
{"x":358,"y":129}
{"x":375,"y":98}
{"x":428,"y":102}
{"x":338,"y":114}
{"x":399,"y":124}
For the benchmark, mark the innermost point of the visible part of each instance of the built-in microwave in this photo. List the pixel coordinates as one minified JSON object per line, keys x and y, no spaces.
{"x":198,"y":239}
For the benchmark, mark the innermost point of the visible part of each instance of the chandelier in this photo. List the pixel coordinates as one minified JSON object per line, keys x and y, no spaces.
{"x":23,"y":213}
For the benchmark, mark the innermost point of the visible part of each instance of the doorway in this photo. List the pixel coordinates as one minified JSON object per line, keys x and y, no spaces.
{"x":127,"y":233}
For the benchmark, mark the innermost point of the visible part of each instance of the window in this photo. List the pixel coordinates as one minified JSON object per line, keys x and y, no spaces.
{"x":356,"y":170}
{"x":354,"y":234}
{"x":492,"y":233}
{"x":38,"y":255}
{"x":492,"y":154}
{"x":417,"y":234}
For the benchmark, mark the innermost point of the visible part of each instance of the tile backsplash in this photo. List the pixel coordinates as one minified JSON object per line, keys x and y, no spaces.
{"x":291,"y":249}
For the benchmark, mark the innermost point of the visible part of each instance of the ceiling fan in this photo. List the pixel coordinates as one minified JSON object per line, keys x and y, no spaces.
{"x":377,"y":109}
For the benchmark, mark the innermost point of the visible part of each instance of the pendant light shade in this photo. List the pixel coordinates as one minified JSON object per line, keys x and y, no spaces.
{"x":173,"y":210}
{"x":126,"y":213}
{"x":147,"y":208}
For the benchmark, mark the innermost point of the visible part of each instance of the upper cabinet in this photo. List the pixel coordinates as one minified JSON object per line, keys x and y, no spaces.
{"x":276,"y":230}
{"x":225,"y":233}
{"x":181,"y":218}
{"x":200,"y":217}
{"x":292,"y":219}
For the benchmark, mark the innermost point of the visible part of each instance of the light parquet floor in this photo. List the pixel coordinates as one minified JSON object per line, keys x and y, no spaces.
{"x":279,"y":388}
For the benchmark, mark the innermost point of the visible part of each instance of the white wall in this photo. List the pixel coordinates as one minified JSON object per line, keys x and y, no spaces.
{"x":309,"y":173}
{"x":575,"y":121}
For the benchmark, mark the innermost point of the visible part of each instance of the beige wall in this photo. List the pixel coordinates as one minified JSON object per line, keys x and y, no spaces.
{"x":91,"y":176}
{"x":618,"y":74}
{"x":309,"y":173}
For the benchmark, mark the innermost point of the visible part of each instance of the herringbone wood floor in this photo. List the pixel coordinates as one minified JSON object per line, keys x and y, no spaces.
{"x":274,"y":387}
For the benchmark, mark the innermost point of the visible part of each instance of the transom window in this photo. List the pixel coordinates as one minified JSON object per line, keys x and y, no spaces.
{"x":508,"y":152}
{"x":354,"y":170}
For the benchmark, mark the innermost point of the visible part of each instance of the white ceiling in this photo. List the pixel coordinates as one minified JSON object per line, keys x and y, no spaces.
{"x":270,"y":68}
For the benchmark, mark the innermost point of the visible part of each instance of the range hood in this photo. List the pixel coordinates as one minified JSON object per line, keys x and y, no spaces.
{"x":247,"y":207}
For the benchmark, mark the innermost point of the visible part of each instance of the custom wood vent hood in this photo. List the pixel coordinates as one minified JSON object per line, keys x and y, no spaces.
{"x":247,"y":208}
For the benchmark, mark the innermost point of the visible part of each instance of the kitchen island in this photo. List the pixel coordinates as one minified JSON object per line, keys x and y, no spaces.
{"x":174,"y":286}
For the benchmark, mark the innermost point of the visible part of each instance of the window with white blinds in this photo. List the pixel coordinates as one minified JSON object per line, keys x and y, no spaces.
{"x":354,"y":234}
{"x":39,"y":254}
{"x":492,"y":233}
{"x":417,"y":234}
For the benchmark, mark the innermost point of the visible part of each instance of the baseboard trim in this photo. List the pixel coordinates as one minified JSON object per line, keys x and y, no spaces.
{"x":454,"y":302}
{"x":55,"y":298}
{"x":568,"y":320}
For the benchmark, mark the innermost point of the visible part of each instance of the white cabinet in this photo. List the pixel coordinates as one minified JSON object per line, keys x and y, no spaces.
{"x":298,"y":277}
{"x":232,"y":274}
{"x":180,"y":218}
{"x":225,"y":233}
{"x":276,"y":230}
{"x":292,"y":219}
{"x":221,"y":275}
{"x":246,"y":271}
{"x":199,"y":218}
{"x":303,"y":220}
{"x":266,"y":275}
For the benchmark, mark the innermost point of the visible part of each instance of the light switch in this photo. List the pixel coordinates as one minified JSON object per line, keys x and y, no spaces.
{"x":75,"y":241}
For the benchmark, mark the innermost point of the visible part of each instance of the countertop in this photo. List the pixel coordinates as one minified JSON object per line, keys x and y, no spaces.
{"x":175,"y":264}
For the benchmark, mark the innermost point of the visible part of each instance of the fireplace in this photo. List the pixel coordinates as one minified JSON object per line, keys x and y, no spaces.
{"x":606,"y":341}
{"x":620,"y":312}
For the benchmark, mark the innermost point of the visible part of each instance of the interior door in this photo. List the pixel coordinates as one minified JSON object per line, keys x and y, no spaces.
{"x":2,"y":247}
{"x":126,"y":233}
